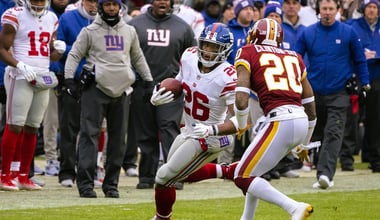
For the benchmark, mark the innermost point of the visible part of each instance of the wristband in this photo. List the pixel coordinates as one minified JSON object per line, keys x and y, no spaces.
{"x":307,"y":100}
{"x":242,"y":89}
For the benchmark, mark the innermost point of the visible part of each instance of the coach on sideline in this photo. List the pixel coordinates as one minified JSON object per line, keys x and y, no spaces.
{"x":110,"y":47}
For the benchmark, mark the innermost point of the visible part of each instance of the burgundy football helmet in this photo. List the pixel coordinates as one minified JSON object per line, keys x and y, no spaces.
{"x":266,"y":31}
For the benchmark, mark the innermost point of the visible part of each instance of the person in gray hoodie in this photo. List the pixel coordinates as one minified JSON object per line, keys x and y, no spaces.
{"x":111,"y":48}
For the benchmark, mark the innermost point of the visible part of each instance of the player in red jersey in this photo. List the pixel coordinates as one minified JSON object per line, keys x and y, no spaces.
{"x":278,"y":77}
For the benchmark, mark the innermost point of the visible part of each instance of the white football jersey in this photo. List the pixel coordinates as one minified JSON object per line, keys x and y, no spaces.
{"x":33,"y":35}
{"x":207,"y":95}
{"x":192,"y":17}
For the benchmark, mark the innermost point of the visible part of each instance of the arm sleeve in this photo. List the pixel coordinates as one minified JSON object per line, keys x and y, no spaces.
{"x":77,"y":52}
{"x":358,"y":58}
{"x":138,"y":59}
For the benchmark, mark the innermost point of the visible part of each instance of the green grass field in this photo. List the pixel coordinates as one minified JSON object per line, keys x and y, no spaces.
{"x":360,"y":205}
{"x":355,"y":196}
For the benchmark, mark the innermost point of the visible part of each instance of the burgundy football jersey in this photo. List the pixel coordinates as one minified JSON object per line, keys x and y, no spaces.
{"x":276,"y":74}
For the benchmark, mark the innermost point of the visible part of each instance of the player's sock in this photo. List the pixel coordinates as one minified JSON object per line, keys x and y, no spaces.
{"x":8,"y":148}
{"x":165,"y":198}
{"x":15,"y":165}
{"x":28,"y":146}
{"x":101,"y":143}
{"x":102,"y":140}
{"x":262,"y":189}
{"x":208,"y":171}
{"x":250,"y":206}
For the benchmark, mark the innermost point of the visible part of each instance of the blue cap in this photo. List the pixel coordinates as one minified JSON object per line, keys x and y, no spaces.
{"x":241,"y":5}
{"x":273,"y":7}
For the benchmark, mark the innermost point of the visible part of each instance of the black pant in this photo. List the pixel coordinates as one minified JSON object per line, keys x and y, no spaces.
{"x":95,"y":107}
{"x":130,"y":157}
{"x":331,"y":115}
{"x":69,"y":123}
{"x":372,"y":124}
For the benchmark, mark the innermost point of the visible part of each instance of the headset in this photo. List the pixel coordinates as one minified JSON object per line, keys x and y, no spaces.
{"x":338,"y":4}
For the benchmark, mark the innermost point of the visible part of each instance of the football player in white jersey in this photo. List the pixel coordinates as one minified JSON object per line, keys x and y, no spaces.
{"x":26,"y":45}
{"x":208,"y":82}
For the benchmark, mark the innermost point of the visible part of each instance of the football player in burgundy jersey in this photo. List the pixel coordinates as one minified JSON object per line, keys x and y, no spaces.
{"x":29,"y":33}
{"x":278,"y":77}
{"x":209,"y":85}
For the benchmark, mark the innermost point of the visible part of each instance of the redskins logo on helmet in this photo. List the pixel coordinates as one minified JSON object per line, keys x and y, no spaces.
{"x":266,"y":31}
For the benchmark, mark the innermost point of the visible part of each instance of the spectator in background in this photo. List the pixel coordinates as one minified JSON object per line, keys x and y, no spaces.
{"x":291,"y":23}
{"x":334,"y":51}
{"x":240,"y":25}
{"x":258,"y":9}
{"x":211,"y":12}
{"x":368,"y":29}
{"x":70,"y":24}
{"x":227,"y":12}
{"x":163,"y":38}
{"x":50,"y":122}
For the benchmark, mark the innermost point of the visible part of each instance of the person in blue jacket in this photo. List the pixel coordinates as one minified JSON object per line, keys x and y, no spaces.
{"x":240,"y":25}
{"x":212,"y":11}
{"x":333,"y":50}
{"x":70,"y":24}
{"x":368,"y":29}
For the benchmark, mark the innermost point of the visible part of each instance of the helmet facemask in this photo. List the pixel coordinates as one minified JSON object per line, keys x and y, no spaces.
{"x":36,"y":10}
{"x":216,"y":34}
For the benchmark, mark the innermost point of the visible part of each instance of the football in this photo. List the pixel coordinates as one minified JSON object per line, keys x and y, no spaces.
{"x":172,"y":85}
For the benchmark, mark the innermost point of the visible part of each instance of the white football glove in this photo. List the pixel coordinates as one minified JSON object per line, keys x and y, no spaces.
{"x":161,"y":96}
{"x":202,"y":131}
{"x":27,"y":71}
{"x":59,"y":46}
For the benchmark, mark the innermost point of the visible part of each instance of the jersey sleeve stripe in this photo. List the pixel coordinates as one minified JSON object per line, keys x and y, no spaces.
{"x":7,"y":19}
{"x":243,"y":63}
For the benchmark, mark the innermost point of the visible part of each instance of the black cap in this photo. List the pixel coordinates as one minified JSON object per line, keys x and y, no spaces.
{"x":227,"y":5}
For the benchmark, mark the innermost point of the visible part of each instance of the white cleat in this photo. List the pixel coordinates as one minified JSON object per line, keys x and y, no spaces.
{"x":67,"y":183}
{"x":323,"y":182}
{"x":302,"y":212}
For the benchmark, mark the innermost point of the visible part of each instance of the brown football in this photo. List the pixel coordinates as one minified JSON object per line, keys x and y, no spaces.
{"x":172,"y":85}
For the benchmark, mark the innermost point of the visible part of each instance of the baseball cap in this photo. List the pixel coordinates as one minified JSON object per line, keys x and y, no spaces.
{"x":226,"y":6}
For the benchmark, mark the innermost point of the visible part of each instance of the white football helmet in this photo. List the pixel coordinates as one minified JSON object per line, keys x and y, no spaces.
{"x":36,"y":10}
